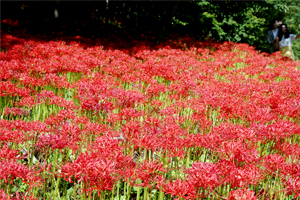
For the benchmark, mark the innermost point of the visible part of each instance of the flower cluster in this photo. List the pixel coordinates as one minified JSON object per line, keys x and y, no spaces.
{"x":184,"y":119}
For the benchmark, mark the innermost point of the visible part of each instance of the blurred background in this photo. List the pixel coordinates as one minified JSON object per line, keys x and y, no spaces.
{"x":237,"y":21}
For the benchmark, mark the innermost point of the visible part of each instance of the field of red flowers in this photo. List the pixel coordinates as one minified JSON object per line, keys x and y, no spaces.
{"x":128,"y":119}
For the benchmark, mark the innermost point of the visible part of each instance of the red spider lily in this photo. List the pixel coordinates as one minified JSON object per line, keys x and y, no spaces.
{"x":204,"y":175}
{"x":101,"y":168}
{"x":293,"y":185}
{"x":48,"y":98}
{"x":47,"y":79}
{"x":292,"y":170}
{"x":113,"y":118}
{"x":146,"y":172}
{"x":9,"y":89}
{"x":9,"y":41}
{"x":239,"y":152}
{"x":242,"y":194}
{"x":96,"y":105}
{"x":107,"y":147}
{"x":288,"y":149}
{"x":62,"y":117}
{"x":29,"y":127}
{"x":66,"y":136}
{"x":224,"y":98}
{"x":239,"y":176}
{"x":273,"y":163}
{"x":11,"y":136}
{"x":96,"y":172}
{"x":178,"y":188}
{"x":16,"y":111}
{"x":94,"y":128}
{"x":281,"y":129}
{"x":20,"y":125}
{"x":8,"y":154}
{"x":154,"y":90}
{"x":11,"y":68}
{"x":229,"y":132}
{"x":99,"y":172}
{"x":52,"y":141}
{"x":4,"y":196}
{"x":9,"y":170}
{"x":168,"y":136}
{"x":127,"y":98}
{"x":67,"y":116}
{"x":128,"y":113}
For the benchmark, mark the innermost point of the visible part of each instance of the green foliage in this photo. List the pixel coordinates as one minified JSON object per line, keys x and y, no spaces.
{"x":296,"y":48}
{"x":292,"y":19}
{"x":244,"y":22}
{"x":237,"y":21}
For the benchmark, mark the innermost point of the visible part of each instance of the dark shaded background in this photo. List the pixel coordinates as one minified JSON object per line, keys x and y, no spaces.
{"x":222,"y":20}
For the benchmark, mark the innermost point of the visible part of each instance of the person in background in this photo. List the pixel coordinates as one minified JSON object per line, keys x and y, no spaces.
{"x":272,"y":35}
{"x":285,"y":41}
{"x":279,"y":22}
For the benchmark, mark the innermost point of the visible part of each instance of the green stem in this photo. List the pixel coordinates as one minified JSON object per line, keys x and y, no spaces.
{"x":112,"y":193}
{"x":74,"y":189}
{"x":44,"y":174}
{"x":124,"y":190}
{"x":82,"y":192}
{"x":188,"y":158}
{"x":161,"y":195}
{"x":145,"y":193}
{"x":138,"y":193}
{"x":56,"y":189}
{"x":118,"y":190}
{"x":129,"y":191}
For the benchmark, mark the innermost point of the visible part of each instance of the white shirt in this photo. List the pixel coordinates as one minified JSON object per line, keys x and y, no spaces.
{"x":287,"y":41}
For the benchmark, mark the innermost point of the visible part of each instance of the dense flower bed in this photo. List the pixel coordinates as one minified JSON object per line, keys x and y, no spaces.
{"x":116,"y":119}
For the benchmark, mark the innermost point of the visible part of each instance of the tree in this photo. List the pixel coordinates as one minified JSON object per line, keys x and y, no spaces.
{"x":242,"y":21}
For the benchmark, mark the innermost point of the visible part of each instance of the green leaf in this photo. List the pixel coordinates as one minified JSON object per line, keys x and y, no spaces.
{"x":237,"y":38}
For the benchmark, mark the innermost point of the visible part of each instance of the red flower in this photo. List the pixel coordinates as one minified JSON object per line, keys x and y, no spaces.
{"x":204,"y":175}
{"x":242,"y":194}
